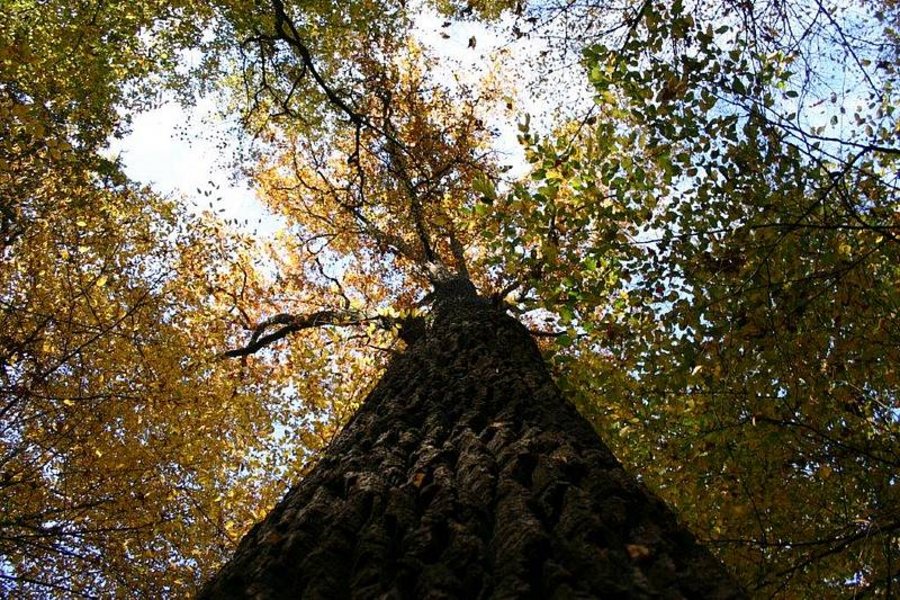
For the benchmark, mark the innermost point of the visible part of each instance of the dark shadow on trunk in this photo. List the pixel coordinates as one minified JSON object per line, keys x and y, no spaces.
{"x":465,"y":474}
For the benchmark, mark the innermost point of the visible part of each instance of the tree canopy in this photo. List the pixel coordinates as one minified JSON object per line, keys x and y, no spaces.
{"x":707,"y":248}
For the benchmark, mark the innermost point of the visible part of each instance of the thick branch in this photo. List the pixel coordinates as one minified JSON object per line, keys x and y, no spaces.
{"x":291,"y":323}
{"x":459,"y":255}
{"x":410,"y":328}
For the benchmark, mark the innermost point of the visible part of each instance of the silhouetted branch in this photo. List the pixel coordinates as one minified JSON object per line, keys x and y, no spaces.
{"x":410,"y":327}
{"x":291,"y":323}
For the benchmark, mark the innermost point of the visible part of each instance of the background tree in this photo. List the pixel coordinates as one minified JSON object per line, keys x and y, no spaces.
{"x":752,"y":159}
{"x":113,"y":400}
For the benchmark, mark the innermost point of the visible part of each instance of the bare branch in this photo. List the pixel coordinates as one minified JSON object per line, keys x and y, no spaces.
{"x":337,"y":284}
{"x":546,"y":334}
{"x":291,"y":323}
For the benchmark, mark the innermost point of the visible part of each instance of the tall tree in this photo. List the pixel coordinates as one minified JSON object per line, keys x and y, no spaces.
{"x":466,"y":474}
{"x":709,"y":267}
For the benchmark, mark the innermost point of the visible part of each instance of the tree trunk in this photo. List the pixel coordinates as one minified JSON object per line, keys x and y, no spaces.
{"x":465,"y":474}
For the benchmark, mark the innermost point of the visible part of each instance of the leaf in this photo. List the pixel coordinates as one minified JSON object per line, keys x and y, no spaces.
{"x":484,"y":187}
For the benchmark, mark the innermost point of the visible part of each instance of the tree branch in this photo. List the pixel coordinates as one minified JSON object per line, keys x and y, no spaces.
{"x":287,"y":31}
{"x":459,"y":255}
{"x":291,"y":323}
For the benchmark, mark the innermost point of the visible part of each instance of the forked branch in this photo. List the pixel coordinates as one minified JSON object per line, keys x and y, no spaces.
{"x":286,"y":30}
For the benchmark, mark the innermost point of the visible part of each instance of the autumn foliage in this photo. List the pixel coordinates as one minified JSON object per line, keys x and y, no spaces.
{"x":706,"y":247}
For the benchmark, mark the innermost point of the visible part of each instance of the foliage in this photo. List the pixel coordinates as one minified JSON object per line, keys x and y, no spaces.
{"x":709,"y":254}
{"x":750,"y":371}
{"x":131,"y":453}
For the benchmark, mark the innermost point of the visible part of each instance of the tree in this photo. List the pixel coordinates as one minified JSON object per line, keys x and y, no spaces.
{"x":761,"y":221}
{"x":709,"y":270}
{"x":466,"y":474}
{"x":111,"y":389}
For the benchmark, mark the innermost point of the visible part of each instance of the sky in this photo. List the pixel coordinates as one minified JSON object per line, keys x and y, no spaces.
{"x":174,"y":149}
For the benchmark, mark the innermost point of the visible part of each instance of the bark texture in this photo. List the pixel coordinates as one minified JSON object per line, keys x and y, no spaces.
{"x":466,"y":474}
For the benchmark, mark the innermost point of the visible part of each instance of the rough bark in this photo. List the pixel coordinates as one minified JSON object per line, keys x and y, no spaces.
{"x":466,"y":474}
